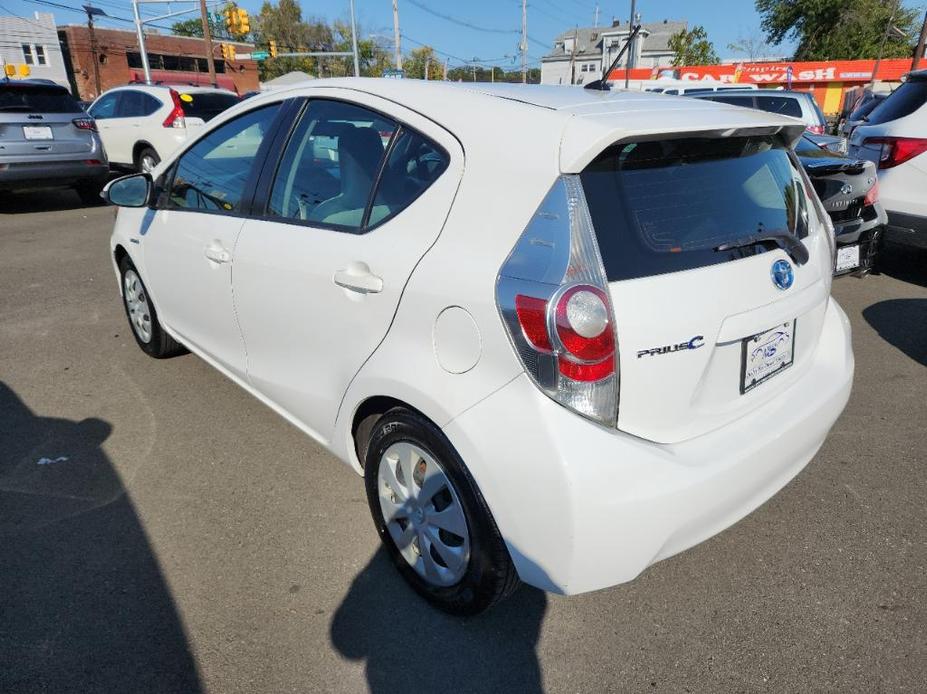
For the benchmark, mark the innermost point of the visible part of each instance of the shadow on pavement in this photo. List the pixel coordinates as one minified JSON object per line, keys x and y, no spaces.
{"x":41,"y":201}
{"x":409,"y":646}
{"x":83,"y":604}
{"x":904,"y":263}
{"x":903,"y":324}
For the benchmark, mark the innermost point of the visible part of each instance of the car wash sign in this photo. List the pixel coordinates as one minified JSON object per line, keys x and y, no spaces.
{"x":787,"y":73}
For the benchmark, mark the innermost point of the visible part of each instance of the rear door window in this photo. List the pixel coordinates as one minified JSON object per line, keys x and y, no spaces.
{"x":134,"y":104}
{"x":670,"y":205}
{"x":902,"y":102}
{"x":745,"y":101}
{"x":33,"y":99}
{"x":330,"y":165}
{"x":206,"y":105}
{"x":779,"y":104}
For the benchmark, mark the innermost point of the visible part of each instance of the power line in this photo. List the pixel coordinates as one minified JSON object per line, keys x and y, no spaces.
{"x":459,"y":22}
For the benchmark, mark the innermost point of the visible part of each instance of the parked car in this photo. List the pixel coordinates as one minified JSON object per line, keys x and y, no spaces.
{"x":787,"y":103}
{"x":558,"y":358}
{"x":832,"y":143}
{"x":141,"y":124}
{"x":860,"y":114}
{"x":895,"y":139}
{"x":48,"y":141}
{"x":849,"y":190}
{"x":688,"y":87}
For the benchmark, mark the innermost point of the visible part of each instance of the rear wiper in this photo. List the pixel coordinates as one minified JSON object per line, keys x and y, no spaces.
{"x":783,"y":239}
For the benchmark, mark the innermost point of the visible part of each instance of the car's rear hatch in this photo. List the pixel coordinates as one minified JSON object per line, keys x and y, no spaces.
{"x":37,"y":123}
{"x":673,"y":214}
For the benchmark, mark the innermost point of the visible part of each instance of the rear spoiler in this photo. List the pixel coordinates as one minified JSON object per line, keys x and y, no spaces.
{"x":582,"y":141}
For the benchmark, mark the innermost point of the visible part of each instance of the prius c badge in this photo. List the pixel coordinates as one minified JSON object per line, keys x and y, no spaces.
{"x":782,"y":274}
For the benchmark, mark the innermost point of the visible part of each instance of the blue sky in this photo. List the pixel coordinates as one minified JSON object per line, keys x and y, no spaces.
{"x":498,"y":21}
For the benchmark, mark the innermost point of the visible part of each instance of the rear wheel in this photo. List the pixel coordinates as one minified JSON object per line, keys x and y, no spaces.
{"x":142,"y":316}
{"x":147,"y":160}
{"x":431,"y":517}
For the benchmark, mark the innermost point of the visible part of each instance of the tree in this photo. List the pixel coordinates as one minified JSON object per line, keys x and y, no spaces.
{"x":838,"y":29}
{"x":413,"y":66}
{"x":751,"y":47}
{"x":194,"y":26}
{"x":693,"y":47}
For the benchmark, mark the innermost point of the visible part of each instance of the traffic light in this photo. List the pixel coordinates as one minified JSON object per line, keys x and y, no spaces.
{"x":9,"y":70}
{"x":24,"y":70}
{"x":273,"y":48}
{"x":244,"y":22}
{"x":231,"y":19}
{"x":228,"y":52}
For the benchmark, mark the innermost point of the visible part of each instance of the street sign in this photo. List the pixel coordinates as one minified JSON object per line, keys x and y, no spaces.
{"x":260,"y":55}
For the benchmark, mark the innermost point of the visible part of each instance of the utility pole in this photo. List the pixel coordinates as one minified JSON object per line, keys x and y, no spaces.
{"x":445,"y":69}
{"x":632,"y":54}
{"x":888,"y":28}
{"x":919,"y":51}
{"x":141,"y":42}
{"x":573,"y":58}
{"x":427,"y":65}
{"x":524,"y":41}
{"x":595,"y":20}
{"x":354,"y":41}
{"x":396,"y":35}
{"x":207,"y":39}
{"x":91,"y":13}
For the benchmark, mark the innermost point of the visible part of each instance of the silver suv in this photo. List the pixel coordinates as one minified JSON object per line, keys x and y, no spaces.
{"x":48,"y":141}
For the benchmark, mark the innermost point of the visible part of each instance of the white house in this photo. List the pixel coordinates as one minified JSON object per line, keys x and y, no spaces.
{"x":580,"y":55}
{"x":33,"y":42}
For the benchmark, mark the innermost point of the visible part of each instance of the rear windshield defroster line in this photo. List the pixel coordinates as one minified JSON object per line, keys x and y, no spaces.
{"x":669,"y":205}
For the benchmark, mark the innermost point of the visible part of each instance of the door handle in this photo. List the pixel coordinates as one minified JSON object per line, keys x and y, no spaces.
{"x":215,"y":253}
{"x":356,"y":277}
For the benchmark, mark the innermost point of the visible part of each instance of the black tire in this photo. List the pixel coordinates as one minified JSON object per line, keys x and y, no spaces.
{"x":160,"y":345}
{"x":146,"y":152}
{"x":89,"y":193}
{"x":490,"y":575}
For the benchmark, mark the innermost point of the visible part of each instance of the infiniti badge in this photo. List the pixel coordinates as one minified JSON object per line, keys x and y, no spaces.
{"x":782,"y":275}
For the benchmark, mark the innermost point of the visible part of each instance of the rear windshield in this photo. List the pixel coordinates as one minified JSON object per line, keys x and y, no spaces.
{"x":902,"y":102}
{"x":779,"y":104}
{"x":36,"y":99}
{"x":866,"y":108}
{"x":205,"y":105}
{"x":668,"y":205}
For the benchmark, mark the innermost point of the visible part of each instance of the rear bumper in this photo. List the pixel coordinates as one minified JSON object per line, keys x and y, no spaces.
{"x":584,"y":507}
{"x":907,"y":229}
{"x":51,"y":174}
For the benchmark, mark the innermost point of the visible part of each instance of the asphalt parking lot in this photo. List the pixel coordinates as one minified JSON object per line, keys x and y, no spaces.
{"x":163,"y":531}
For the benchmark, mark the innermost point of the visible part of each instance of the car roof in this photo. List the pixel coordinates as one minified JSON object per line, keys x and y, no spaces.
{"x":917,"y":76}
{"x":578,"y":122}
{"x":187,"y":88}
{"x":33,"y":83}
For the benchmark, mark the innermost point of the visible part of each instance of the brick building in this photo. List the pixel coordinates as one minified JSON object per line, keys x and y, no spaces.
{"x":173,"y":59}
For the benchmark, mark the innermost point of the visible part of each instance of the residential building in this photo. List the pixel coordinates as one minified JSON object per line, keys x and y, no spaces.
{"x":33,"y":42}
{"x":582,"y":54}
{"x":173,"y":59}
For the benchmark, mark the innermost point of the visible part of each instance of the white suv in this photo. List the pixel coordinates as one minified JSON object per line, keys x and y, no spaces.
{"x":142,"y":124}
{"x":563,"y":334}
{"x":894,"y":136}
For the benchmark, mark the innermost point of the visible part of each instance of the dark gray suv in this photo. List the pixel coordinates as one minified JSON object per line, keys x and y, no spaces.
{"x":48,"y":141}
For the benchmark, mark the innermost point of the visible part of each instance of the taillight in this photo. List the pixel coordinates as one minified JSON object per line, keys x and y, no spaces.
{"x":175,"y":119}
{"x":897,"y":150}
{"x":872,"y":196}
{"x":816,"y":129}
{"x":553,"y":296}
{"x":85,"y":124}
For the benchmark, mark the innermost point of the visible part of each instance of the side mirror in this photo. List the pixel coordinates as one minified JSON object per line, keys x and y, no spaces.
{"x":128,"y":191}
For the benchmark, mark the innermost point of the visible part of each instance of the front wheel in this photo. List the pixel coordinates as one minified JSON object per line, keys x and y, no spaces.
{"x":431,"y":517}
{"x":143,"y":319}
